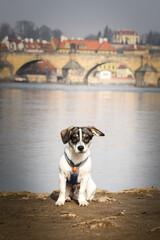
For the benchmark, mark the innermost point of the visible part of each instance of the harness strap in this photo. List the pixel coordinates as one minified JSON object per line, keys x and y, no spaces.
{"x":72,"y":164}
{"x":75,"y":170}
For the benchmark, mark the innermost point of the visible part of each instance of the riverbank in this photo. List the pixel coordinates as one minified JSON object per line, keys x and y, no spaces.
{"x":79,"y":87}
{"x":129,"y":214}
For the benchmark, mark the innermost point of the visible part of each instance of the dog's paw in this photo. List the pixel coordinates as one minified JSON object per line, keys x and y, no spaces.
{"x":83,"y":203}
{"x":59,"y":203}
{"x":68,"y":199}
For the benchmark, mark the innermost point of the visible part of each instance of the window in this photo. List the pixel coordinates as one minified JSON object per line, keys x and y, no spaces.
{"x":12,"y":45}
{"x":66,"y":45}
{"x":81,"y":46}
{"x":73,"y":46}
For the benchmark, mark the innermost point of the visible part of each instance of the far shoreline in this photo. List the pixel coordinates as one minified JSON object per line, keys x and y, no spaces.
{"x":77,"y":87}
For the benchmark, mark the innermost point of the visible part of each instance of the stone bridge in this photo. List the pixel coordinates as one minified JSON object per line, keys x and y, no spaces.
{"x":14,"y":61}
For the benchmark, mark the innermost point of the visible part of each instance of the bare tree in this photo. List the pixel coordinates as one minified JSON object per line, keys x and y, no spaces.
{"x":153,"y":38}
{"x":91,"y":37}
{"x":45,"y":33}
{"x":6,"y":30}
{"x":108,"y":34}
{"x":57,"y":33}
{"x":25,"y":29}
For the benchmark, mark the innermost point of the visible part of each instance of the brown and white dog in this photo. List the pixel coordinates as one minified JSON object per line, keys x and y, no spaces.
{"x":75,"y":165}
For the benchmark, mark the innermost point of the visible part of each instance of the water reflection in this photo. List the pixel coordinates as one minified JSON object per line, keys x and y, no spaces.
{"x":30,"y":144}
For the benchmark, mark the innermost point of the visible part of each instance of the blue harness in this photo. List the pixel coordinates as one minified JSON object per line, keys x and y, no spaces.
{"x":75,"y":170}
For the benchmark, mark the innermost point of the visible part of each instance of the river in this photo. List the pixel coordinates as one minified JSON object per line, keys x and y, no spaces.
{"x":32,"y":116}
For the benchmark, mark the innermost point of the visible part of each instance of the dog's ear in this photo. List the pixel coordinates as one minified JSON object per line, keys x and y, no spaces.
{"x":65,"y":134}
{"x":95,"y":131}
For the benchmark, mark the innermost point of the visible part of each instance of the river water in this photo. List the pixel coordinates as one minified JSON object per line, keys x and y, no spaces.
{"x":32,"y":116}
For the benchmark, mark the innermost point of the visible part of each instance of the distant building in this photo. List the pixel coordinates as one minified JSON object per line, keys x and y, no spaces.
{"x":26,"y":45}
{"x":102,"y":75}
{"x":110,"y":66}
{"x":46,"y":46}
{"x":106,"y":48}
{"x":42,"y":67}
{"x":13,"y":44}
{"x":124,"y":72}
{"x":125,"y":37}
{"x":65,"y":45}
{"x":3,"y":47}
{"x":31,"y":46}
{"x":136,"y":49}
{"x":62,"y":45}
{"x":55,"y":42}
{"x":46,"y":67}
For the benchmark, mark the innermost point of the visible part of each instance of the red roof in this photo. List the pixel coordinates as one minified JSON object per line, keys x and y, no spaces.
{"x":135,"y":48}
{"x":121,"y":67}
{"x":80,"y":44}
{"x":46,"y":66}
{"x":56,"y":41}
{"x":105,"y":46}
{"x":126,"y":32}
{"x":47,"y":47}
{"x":32,"y":45}
{"x":40,"y":67}
{"x":86,"y":45}
{"x":3,"y":46}
{"x":17,"y":41}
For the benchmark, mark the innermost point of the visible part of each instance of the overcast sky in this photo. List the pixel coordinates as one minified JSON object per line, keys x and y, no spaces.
{"x":79,"y":18}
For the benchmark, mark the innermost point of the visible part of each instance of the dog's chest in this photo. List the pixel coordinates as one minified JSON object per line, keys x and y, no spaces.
{"x":83,"y":167}
{"x":75,"y":177}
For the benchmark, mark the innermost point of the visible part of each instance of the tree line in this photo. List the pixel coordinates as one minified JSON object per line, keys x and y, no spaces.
{"x":107,"y":33}
{"x":153,"y":38}
{"x":27,"y":29}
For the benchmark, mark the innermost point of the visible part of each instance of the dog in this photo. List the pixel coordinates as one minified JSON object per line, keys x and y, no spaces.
{"x":75,"y":166}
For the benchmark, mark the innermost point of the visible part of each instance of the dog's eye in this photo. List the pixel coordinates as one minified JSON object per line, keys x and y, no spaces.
{"x":74,"y":138}
{"x":86,"y":139}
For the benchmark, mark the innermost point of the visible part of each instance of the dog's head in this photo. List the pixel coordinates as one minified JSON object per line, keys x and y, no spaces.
{"x":79,"y":138}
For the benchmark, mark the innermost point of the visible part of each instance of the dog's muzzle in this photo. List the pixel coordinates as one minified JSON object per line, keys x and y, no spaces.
{"x":80,"y":148}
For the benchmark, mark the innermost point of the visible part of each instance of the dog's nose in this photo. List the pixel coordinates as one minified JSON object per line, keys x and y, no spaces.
{"x":80,"y":148}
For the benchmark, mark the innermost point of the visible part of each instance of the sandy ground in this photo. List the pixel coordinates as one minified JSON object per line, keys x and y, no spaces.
{"x":130,"y":214}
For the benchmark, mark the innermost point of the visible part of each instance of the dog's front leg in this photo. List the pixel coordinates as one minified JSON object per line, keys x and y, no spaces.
{"x":61,"y":198}
{"x":82,"y":192}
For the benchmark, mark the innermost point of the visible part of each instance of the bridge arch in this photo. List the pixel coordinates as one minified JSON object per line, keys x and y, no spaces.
{"x":103,"y":62}
{"x":29,"y":63}
{"x":25,"y":65}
